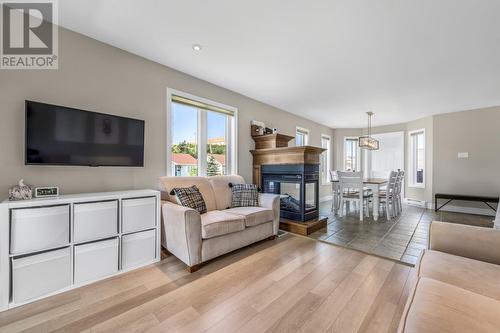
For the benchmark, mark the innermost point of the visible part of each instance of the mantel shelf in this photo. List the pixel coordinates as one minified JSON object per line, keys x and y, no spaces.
{"x":274,"y":140}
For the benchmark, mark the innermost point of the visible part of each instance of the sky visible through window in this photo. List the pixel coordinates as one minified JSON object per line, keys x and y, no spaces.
{"x":185,"y":124}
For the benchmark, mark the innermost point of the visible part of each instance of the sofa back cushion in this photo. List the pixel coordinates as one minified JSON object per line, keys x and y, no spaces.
{"x":202,"y":183}
{"x":223,"y":194}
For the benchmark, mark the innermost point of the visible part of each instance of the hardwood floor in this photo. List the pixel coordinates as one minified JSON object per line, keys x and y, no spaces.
{"x":292,"y":284}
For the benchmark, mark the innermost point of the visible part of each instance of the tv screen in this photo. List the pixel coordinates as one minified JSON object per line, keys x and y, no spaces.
{"x":57,"y":135}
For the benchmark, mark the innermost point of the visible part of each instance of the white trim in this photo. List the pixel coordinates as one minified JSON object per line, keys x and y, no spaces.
{"x":417,"y":203}
{"x":411,"y":159}
{"x":304,"y":131}
{"x":328,"y":159}
{"x":233,"y":129}
{"x":358,"y":153}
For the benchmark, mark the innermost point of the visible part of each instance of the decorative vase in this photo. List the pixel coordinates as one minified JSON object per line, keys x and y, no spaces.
{"x":20,"y":192}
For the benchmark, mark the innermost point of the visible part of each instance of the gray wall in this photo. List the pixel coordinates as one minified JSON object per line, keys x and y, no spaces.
{"x":476,"y":132}
{"x":95,"y":76}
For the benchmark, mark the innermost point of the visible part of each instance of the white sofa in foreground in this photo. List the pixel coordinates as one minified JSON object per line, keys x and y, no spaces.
{"x":196,"y":238}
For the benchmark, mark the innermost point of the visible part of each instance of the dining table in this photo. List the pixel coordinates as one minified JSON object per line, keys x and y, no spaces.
{"x":374,"y":184}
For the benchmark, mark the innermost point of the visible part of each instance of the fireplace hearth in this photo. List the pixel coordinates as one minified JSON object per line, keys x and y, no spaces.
{"x":298,"y":188}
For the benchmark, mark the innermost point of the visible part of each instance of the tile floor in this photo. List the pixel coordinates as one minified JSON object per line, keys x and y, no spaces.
{"x":402,"y":238}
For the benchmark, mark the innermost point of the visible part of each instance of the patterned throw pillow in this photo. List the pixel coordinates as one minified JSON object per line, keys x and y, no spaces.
{"x":244,"y":195}
{"x":191,"y":197}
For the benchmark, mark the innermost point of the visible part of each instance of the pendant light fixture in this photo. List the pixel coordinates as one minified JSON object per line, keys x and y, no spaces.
{"x":366,"y":141}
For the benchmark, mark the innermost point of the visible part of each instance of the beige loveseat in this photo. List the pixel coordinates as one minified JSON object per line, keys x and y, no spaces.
{"x":456,"y":285}
{"x":195,"y":238}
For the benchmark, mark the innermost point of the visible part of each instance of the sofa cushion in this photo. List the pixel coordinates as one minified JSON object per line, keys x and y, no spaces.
{"x":476,"y":276}
{"x":217,"y":223}
{"x":220,"y":185}
{"x":253,"y":215}
{"x":168,"y":183}
{"x":244,"y":195}
{"x":441,"y":307}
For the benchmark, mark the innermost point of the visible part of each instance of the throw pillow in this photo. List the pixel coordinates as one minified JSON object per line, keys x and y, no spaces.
{"x":244,"y":195}
{"x":190,"y":197}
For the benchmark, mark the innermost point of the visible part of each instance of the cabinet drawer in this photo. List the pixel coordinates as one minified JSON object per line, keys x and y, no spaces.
{"x":41,"y":228}
{"x":40,"y":274}
{"x":138,"y":214}
{"x":96,"y":260}
{"x":138,"y":249}
{"x":95,"y":220}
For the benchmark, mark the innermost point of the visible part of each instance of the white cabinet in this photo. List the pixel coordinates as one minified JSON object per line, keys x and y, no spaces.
{"x":138,"y":249}
{"x":95,"y":220}
{"x":40,"y":274}
{"x":49,"y":245}
{"x":138,"y":214}
{"x":96,"y":260}
{"x":40,"y":228}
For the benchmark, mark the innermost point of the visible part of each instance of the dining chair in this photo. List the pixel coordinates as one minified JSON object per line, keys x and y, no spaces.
{"x":335,"y":192}
{"x":388,"y":198}
{"x":399,"y":185}
{"x":351,"y":189}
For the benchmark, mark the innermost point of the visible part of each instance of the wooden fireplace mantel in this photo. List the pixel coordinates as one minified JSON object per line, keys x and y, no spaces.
{"x":283,"y":155}
{"x":275,"y":140}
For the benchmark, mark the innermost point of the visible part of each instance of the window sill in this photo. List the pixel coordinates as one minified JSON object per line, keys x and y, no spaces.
{"x":416,"y":186}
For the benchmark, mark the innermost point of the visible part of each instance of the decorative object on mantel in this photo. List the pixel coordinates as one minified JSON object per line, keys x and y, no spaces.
{"x":20,"y":192}
{"x":257,"y":128}
{"x":366,"y":141}
{"x":268,"y":131}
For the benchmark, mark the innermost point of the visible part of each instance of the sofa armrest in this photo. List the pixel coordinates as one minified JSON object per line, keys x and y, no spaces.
{"x":272,"y":201}
{"x":472,"y":242}
{"x":182,"y":232}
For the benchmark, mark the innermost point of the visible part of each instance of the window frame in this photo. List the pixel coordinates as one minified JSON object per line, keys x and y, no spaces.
{"x":412,"y":158}
{"x":231,"y":132}
{"x":358,"y":152}
{"x":303,"y":131}
{"x":325,"y":178}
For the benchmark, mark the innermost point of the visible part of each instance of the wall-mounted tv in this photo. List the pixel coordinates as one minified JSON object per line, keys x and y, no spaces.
{"x":58,"y":135}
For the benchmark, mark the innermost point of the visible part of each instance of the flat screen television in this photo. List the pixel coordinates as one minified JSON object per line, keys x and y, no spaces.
{"x":58,"y":135}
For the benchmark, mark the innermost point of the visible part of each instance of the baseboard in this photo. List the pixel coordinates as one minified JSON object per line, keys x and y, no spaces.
{"x":416,"y":203}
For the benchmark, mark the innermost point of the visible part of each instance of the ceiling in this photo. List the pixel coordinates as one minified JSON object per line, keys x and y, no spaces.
{"x":326,"y":60}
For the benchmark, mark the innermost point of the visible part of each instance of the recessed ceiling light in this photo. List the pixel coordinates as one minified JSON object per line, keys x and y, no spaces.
{"x":197,"y":47}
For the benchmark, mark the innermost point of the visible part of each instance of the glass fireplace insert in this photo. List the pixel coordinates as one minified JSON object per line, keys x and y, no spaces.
{"x":297,"y":186}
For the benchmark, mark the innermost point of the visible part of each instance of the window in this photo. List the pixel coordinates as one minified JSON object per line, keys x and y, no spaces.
{"x":325,"y":159}
{"x":201,"y":137}
{"x":301,"y":137}
{"x":417,"y":158}
{"x":351,"y":154}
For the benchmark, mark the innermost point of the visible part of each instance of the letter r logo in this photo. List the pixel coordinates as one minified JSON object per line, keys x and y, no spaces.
{"x":27,"y":28}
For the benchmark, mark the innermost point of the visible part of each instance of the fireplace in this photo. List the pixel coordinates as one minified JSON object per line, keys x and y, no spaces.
{"x":297,"y":185}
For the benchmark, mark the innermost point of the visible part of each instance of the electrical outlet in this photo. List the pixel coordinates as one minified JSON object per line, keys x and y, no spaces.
{"x":463,"y":155}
